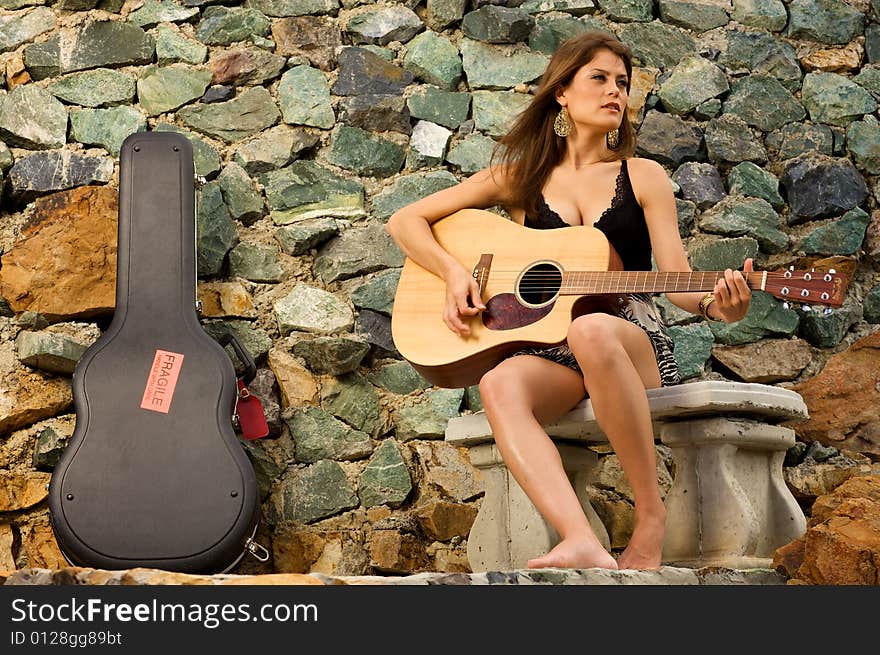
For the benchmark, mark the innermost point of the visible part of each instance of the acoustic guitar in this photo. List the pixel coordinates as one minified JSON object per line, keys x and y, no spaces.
{"x":534,"y":283}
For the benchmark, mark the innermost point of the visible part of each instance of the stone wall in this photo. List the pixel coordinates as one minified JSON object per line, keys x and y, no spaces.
{"x":312,"y":121}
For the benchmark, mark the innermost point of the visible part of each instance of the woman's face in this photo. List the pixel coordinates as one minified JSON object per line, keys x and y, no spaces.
{"x":595,"y":84}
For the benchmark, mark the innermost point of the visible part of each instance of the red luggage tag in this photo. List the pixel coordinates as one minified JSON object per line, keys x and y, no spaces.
{"x":251,"y":417}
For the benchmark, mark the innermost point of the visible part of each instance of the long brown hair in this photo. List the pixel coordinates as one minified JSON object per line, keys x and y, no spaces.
{"x":531,"y":149}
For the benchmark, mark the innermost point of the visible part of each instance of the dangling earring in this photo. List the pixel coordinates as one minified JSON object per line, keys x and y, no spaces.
{"x":562,"y":124}
{"x":612,"y":138}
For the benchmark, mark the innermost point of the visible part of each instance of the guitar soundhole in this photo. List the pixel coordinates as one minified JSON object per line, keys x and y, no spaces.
{"x":540,"y":284}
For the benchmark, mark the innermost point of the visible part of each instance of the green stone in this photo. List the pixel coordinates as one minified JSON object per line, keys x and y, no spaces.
{"x":408,"y":189}
{"x":766,"y":318}
{"x":306,"y":190}
{"x":6,"y":158}
{"x":314,"y":492}
{"x":693,"y":81}
{"x":318,"y":435}
{"x":308,"y":309}
{"x":17,"y":29}
{"x":696,"y":16}
{"x":249,"y":113}
{"x":266,"y":468}
{"x":300,"y":237}
{"x":759,"y":52}
{"x":355,"y":401}
{"x":427,"y":416}
{"x":172,"y":46}
{"x":386,"y":479}
{"x":447,"y":108}
{"x":107,"y":128}
{"x":762,"y":101}
{"x":273,"y":149}
{"x":240,"y":195}
{"x":764,"y":14}
{"x":693,"y":346}
{"x":378,"y":293}
{"x":491,"y":67}
{"x":736,"y":216}
{"x":357,"y":251}
{"x":825,"y":21}
{"x":31,"y":117}
{"x":364,"y":153}
{"x":399,"y":377}
{"x":216,"y":233}
{"x":863,"y":140}
{"x":332,"y":355}
{"x":495,"y":111}
{"x":95,"y":88}
{"x":42,"y":60}
{"x":206,"y":158}
{"x":828,"y":330}
{"x":443,"y":13}
{"x":656,"y":44}
{"x":471,"y":154}
{"x":550,"y":31}
{"x":434,"y":59}
{"x":225,"y":25}
{"x":165,"y":88}
{"x":153,"y":12}
{"x":304,"y":96}
{"x":729,"y":139}
{"x":50,"y":446}
{"x":472,"y":398}
{"x":46,"y":351}
{"x":842,"y":236}
{"x":255,"y":262}
{"x":871,"y":305}
{"x":285,"y":8}
{"x":575,"y":7}
{"x":108,"y":44}
{"x":869,"y":78}
{"x":384,"y":25}
{"x":749,"y":179}
{"x":796,"y":139}
{"x":722,"y":254}
{"x":835,"y":100}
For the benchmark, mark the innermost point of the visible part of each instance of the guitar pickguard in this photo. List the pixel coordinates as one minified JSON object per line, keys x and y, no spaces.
{"x":506,"y":312}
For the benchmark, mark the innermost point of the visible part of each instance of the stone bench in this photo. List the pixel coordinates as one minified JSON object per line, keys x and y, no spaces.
{"x":728,"y":506}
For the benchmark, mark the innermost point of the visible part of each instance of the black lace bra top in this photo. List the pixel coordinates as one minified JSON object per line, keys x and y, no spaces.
{"x":623,"y":223}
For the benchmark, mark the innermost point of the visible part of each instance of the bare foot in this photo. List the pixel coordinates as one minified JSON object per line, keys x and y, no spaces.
{"x":645,"y":548}
{"x":575,"y":553}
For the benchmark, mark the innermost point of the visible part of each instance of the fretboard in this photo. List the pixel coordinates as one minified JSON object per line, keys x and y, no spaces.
{"x":584,"y":282}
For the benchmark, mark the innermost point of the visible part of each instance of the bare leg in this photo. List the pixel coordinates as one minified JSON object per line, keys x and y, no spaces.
{"x":618,"y":363}
{"x":519,"y":395}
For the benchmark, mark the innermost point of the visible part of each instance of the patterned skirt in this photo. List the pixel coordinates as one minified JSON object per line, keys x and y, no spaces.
{"x":638,"y":308}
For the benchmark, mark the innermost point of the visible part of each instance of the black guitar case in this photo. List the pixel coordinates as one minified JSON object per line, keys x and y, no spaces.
{"x":154,"y":475}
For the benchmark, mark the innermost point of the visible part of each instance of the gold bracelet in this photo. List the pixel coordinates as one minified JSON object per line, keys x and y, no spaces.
{"x":707,"y":300}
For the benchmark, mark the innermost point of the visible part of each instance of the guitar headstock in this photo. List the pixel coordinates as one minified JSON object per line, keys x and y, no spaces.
{"x":808,"y":287}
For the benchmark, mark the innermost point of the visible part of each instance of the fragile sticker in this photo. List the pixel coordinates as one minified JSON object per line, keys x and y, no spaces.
{"x":162,"y":381}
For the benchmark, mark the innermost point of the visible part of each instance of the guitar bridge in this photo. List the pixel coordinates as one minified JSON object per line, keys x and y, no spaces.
{"x":481,"y":271}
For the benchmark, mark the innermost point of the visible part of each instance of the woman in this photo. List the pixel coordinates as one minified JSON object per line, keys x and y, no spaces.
{"x":567,"y":161}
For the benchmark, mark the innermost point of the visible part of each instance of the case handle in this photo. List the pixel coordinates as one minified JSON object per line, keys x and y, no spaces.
{"x":250,"y":367}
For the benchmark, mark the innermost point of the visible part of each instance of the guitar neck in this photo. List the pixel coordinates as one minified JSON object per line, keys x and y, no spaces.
{"x":599,"y":282}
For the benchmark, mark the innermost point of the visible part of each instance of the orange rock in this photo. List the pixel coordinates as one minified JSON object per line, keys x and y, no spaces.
{"x":226,"y":299}
{"x":844,"y":399}
{"x":26,"y":398}
{"x":394,"y":551}
{"x":443,"y":520}
{"x":64,"y":266}
{"x":7,"y":561}
{"x":298,"y":386}
{"x":22,"y":489}
{"x":41,"y":549}
{"x":835,"y":60}
{"x":789,"y":558}
{"x":275,"y":579}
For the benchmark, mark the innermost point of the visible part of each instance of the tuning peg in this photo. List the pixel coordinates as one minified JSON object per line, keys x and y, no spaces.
{"x":806,"y":308}
{"x":791,"y":268}
{"x":827,"y":311}
{"x":785,"y":305}
{"x":832,"y":271}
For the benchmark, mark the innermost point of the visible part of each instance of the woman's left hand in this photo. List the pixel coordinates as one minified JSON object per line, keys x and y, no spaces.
{"x":732,"y":295}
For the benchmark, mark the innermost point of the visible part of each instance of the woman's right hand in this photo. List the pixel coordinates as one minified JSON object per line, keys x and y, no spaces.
{"x":462,"y":300}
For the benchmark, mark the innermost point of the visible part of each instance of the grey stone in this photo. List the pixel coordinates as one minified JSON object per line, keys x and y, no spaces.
{"x":833,"y":99}
{"x":309,"y":309}
{"x":729,"y":139}
{"x":304,"y":96}
{"x":400,"y":378}
{"x":376,"y":330}
{"x":871,"y":305}
{"x":46,"y":351}
{"x":107,"y":128}
{"x":41,"y":60}
{"x":153,"y":12}
{"x":50,"y":446}
{"x":495,"y":111}
{"x":869,"y":78}
{"x":427,"y":145}
{"x":314,"y":37}
{"x":748,"y":179}
{"x":384,"y":25}
{"x":494,"y":24}
{"x":274,"y":148}
{"x":31,"y":117}
{"x":56,"y":170}
{"x":574,"y":7}
{"x":828,"y":330}
{"x":669,"y":140}
{"x":218,"y":93}
{"x":685,"y":211}
{"x":754,"y":217}
{"x":700,"y":183}
{"x":708,"y":109}
{"x":19,"y":28}
{"x":826,"y":21}
{"x":245,"y":66}
{"x":107,"y":44}
{"x":863,"y":139}
{"x":95,"y":88}
{"x":206,"y":158}
{"x":300,"y":237}
{"x":255,"y":262}
{"x":165,"y":88}
{"x":693,"y":346}
{"x":435,"y":60}
{"x":216,"y":233}
{"x":6,"y":158}
{"x":696,"y":16}
{"x":409,"y":188}
{"x":386,"y":479}
{"x":172,"y":46}
{"x":355,"y":401}
{"x":797,"y":139}
{"x":471,"y":154}
{"x":693,"y":81}
{"x":282,"y":8}
{"x":249,"y":113}
{"x":240,"y":195}
{"x":318,"y":435}
{"x":490,"y":67}
{"x":444,"y":13}
{"x":357,"y":251}
{"x":376,"y":113}
{"x":766,"y":318}
{"x":759,"y":52}
{"x":427,"y":416}
{"x":332,"y":355}
{"x":843,"y":236}
{"x":820,"y":187}
{"x":313,"y":492}
{"x":364,"y":153}
{"x":550,"y":31}
{"x":378,"y":293}
{"x":764,"y":14}
{"x":224,"y":26}
{"x":306,"y":190}
{"x":762,"y":101}
{"x":722,"y":254}
{"x":361,"y":71}
{"x":656,"y":44}
{"x":766,"y":361}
